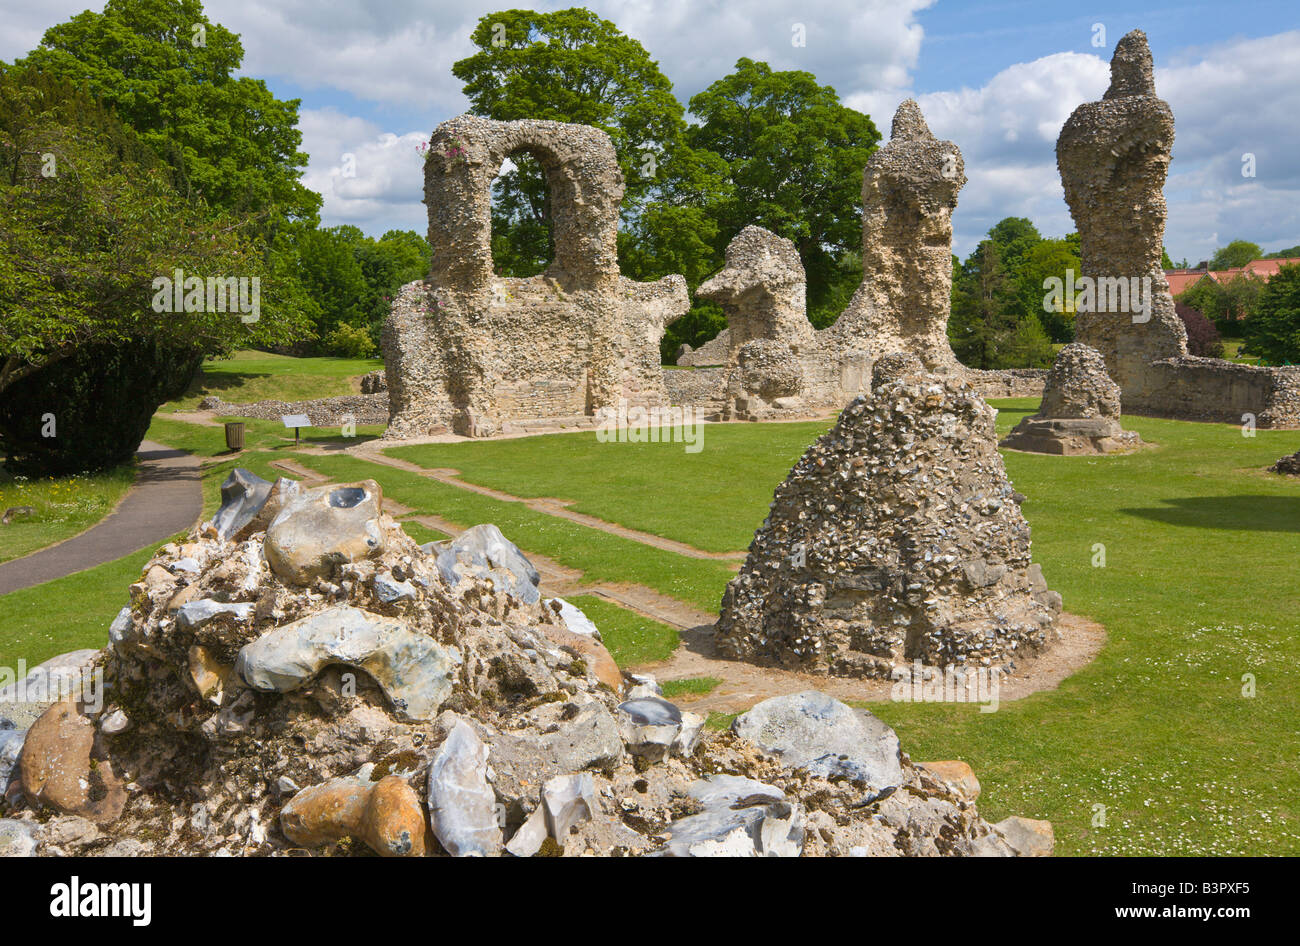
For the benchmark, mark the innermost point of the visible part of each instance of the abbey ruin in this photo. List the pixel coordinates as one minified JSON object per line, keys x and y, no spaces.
{"x":470,"y":351}
{"x":476,"y":353}
{"x":1113,"y":156}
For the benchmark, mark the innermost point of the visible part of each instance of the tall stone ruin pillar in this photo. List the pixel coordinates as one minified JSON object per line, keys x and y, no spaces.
{"x":1114,"y":156}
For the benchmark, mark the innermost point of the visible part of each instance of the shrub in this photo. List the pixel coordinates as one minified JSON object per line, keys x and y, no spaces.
{"x":1202,"y":337}
{"x":350,"y":341}
{"x":1274,"y":330}
{"x":101,"y":399}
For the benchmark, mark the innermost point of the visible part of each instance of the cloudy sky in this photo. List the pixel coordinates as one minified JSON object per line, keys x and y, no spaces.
{"x":999,"y":78}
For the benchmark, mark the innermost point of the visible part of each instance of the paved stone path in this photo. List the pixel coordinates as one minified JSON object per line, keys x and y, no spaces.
{"x":166,"y":498}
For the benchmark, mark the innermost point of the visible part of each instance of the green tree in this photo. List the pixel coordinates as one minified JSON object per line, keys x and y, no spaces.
{"x":1047,"y":259}
{"x":91,"y":220}
{"x":795,"y":157}
{"x":1235,"y":254}
{"x":1273,"y":331}
{"x":1289,"y":253}
{"x":328,"y":264}
{"x":168,"y":73}
{"x":1229,"y":305}
{"x":995,"y":320}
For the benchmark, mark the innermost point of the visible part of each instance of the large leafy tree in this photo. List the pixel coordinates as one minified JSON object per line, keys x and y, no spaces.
{"x":795,"y":157}
{"x":168,"y":73}
{"x":997,"y":318}
{"x":91,"y":219}
{"x":1235,"y":254}
{"x":1045,"y":260}
{"x":1273,"y":331}
{"x":573,"y":66}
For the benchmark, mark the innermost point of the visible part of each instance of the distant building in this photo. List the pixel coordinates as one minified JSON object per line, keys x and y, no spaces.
{"x":1180,"y":280}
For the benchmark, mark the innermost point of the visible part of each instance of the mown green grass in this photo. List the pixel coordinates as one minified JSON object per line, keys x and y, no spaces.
{"x":689,"y":686}
{"x":69,"y":613}
{"x":62,"y":507}
{"x":705,"y":499}
{"x":257,"y":375}
{"x":210,"y":442}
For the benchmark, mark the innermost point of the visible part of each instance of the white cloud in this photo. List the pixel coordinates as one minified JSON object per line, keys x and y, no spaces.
{"x":368,"y":177}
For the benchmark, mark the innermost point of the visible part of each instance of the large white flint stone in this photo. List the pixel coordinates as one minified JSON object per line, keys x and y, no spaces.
{"x":649,"y":726}
{"x":817,"y":733}
{"x":483,"y":552}
{"x":413,"y":670}
{"x":462,"y":806}
{"x":243,"y":495}
{"x":325,"y":527}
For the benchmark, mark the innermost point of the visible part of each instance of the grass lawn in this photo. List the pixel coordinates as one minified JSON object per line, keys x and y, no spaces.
{"x":63,"y":507}
{"x":705,"y":499}
{"x":257,"y":375}
{"x":68,"y":613}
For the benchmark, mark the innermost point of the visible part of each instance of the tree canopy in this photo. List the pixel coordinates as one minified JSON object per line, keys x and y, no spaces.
{"x":167,"y":71}
{"x":91,"y":221}
{"x":1235,"y":254}
{"x":1273,"y":331}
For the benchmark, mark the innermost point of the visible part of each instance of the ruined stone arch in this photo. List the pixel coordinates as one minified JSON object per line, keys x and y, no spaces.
{"x":476,"y":352}
{"x":582,"y":175}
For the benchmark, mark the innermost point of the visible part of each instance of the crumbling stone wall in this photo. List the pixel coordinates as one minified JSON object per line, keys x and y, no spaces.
{"x":897,"y":537}
{"x":1114,"y":156}
{"x":909,"y":191}
{"x":471,"y":351}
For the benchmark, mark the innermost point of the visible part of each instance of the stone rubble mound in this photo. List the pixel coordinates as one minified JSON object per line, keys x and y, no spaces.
{"x":306,"y":679}
{"x":896,"y":538}
{"x":1080,"y":411}
{"x":1289,"y":465}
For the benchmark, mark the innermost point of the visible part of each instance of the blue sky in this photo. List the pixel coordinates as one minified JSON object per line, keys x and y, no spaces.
{"x":375,"y":77}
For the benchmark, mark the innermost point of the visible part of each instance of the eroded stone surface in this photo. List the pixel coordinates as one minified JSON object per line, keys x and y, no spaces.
{"x":897,"y":537}
{"x":17,"y":838}
{"x":472,"y":352}
{"x":57,"y":769}
{"x":462,"y":808}
{"x":323,"y":528}
{"x":1114,"y":156}
{"x":483,"y":552}
{"x":819,"y":734}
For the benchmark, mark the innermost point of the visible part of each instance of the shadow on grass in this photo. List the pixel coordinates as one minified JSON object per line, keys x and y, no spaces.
{"x":1236,"y":513}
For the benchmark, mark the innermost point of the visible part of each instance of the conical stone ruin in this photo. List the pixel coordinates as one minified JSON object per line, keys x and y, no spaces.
{"x":897,"y":537}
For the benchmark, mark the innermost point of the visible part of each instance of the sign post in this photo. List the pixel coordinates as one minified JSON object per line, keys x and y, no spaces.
{"x":295,"y":421}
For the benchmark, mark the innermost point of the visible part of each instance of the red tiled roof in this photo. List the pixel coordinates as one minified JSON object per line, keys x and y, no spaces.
{"x":1269,"y":267}
{"x":1180,"y":280}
